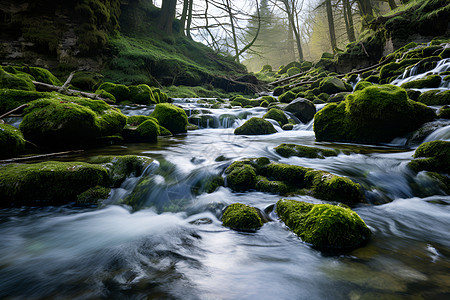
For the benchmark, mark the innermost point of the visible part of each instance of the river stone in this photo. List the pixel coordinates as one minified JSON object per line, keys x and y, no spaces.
{"x":302,"y":109}
{"x":255,"y":126}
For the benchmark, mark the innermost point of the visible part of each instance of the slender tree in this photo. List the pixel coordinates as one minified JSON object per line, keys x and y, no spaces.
{"x":167,"y":15}
{"x":348,"y":18}
{"x":331,"y":25}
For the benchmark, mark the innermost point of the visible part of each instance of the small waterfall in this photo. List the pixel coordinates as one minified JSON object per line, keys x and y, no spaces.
{"x":411,"y":74}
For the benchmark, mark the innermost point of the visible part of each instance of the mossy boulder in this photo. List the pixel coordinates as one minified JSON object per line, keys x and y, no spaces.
{"x":338,"y":97}
{"x":278,"y":91}
{"x":269,"y":99}
{"x":255,"y":126}
{"x":277,"y":115}
{"x":293,"y":71}
{"x":121,"y":167}
{"x":241,"y":177}
{"x":67,"y":121}
{"x":48,"y":183}
{"x":435,"y":97}
{"x":35,"y":73}
{"x":432,"y":156}
{"x":147,"y":131}
{"x":142,"y":94}
{"x":432,"y":81}
{"x":119,"y":91}
{"x":15,"y":81}
{"x":87,"y":81}
{"x":444,"y":112}
{"x":171,"y":117}
{"x":245,"y":102}
{"x":324,"y":226}
{"x":287,"y":97}
{"x":94,"y":195}
{"x":362,"y":85}
{"x":375,"y":114}
{"x":242,"y":217}
{"x":284,"y":69}
{"x":288,"y":150}
{"x":333,"y":85}
{"x":288,"y":126}
{"x":11,"y":141}
{"x":302,"y":109}
{"x":11,"y":98}
{"x":137,"y":120}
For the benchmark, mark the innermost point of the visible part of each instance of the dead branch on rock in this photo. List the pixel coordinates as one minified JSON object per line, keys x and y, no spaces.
{"x":26,"y":158}
{"x":13,"y":111}
{"x":289,"y":78}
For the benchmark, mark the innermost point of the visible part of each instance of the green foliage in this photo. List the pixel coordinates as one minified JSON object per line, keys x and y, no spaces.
{"x":277,"y":115}
{"x":434,"y":156}
{"x":11,"y":141}
{"x":324,"y":226}
{"x":171,"y":117}
{"x":288,"y":150}
{"x":239,"y":216}
{"x":48,"y":183}
{"x":255,"y":126}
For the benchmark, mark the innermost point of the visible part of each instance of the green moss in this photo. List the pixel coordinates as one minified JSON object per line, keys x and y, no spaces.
{"x":287,"y":97}
{"x":278,"y":91}
{"x":93,"y":195}
{"x":121,"y":167}
{"x":244,"y":102}
{"x":48,"y":183}
{"x":264,"y":103}
{"x":293,"y":71}
{"x":255,"y":126}
{"x":12,"y":81}
{"x":10,"y":98}
{"x":290,"y":65}
{"x":413,"y":94}
{"x":149,"y":130}
{"x":105,"y":94}
{"x":288,"y":173}
{"x":119,"y":91}
{"x":444,"y":112}
{"x":394,"y":69}
{"x":333,"y":85}
{"x":324,"y":226}
{"x":11,"y":141}
{"x":239,"y":216}
{"x":87,"y":81}
{"x":138,"y":119}
{"x":432,"y":81}
{"x":288,"y":150}
{"x":445,"y":53}
{"x":435,"y":97}
{"x":242,"y":178}
{"x":171,"y":117}
{"x":269,"y":99}
{"x":271,"y":186}
{"x":434,"y":156}
{"x":372,"y":115}
{"x":70,"y":121}
{"x":143,"y":94}
{"x":362,"y":85}
{"x":277,"y":115}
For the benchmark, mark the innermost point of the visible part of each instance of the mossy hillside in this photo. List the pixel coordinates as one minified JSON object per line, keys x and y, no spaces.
{"x":435,"y":97}
{"x":277,"y":115}
{"x":48,"y":183}
{"x":432,"y":156}
{"x":432,"y":81}
{"x":11,"y":141}
{"x":15,"y":81}
{"x":11,"y":98}
{"x":66,"y":121}
{"x":324,"y":226}
{"x":277,"y":178}
{"x":255,"y":126}
{"x":242,"y":217}
{"x":171,"y":117}
{"x":373,"y":115}
{"x":288,"y":150}
{"x":121,"y":167}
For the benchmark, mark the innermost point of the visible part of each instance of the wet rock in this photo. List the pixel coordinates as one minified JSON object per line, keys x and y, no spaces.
{"x":242,"y":217}
{"x":286,"y":97}
{"x":333,"y":85}
{"x":435,"y":97}
{"x":171,"y":117}
{"x":277,"y":115}
{"x":288,"y":126}
{"x":255,"y":126}
{"x":324,"y":226}
{"x":444,"y":112}
{"x":288,"y":150}
{"x":302,"y":109}
{"x":11,"y":141}
{"x":432,"y":81}
{"x":432,"y":156}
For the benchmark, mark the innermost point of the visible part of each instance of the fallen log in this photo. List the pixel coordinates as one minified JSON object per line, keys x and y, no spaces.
{"x":13,"y":111}
{"x":288,"y":78}
{"x":26,"y":158}
{"x":40,"y":86}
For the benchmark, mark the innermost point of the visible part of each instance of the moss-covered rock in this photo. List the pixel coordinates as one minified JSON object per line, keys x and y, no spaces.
{"x":255,"y":126}
{"x":302,"y":109}
{"x":48,"y":183}
{"x":277,"y":115}
{"x":435,"y":97}
{"x":432,"y":81}
{"x":287,"y":97}
{"x":324,"y":226}
{"x":271,"y":186}
{"x":94,"y":195}
{"x":362,"y":85}
{"x":67,"y":121}
{"x":373,"y":115}
{"x":444,"y":112}
{"x":288,"y":126}
{"x":121,"y":167}
{"x":293,"y":71}
{"x":119,"y":91}
{"x":432,"y":156}
{"x":86,"y":81}
{"x":241,"y":177}
{"x":138,"y":120}
{"x":288,"y":150}
{"x":11,"y":98}
{"x":245,"y":102}
{"x":338,"y":97}
{"x":11,"y":141}
{"x":269,"y":99}
{"x":15,"y":81}
{"x":142,"y":94}
{"x":333,"y":85}
{"x":239,"y":216}
{"x":171,"y":117}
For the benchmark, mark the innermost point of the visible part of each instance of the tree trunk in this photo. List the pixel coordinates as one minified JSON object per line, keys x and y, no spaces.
{"x":233,"y":30}
{"x":290,"y":14}
{"x":189,"y":19}
{"x":167,"y":14}
{"x":290,"y":43}
{"x":349,"y":20}
{"x":184,"y":14}
{"x":331,"y":25}
{"x":392,"y":4}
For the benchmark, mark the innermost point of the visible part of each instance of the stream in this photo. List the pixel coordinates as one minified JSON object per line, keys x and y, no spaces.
{"x":175,"y":247}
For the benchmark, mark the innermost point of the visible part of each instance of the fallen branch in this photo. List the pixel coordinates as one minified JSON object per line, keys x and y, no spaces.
{"x":364,"y":48}
{"x":301,"y":83}
{"x":288,"y":78}
{"x":13,"y":111}
{"x":54,"y":88}
{"x":66,"y":84}
{"x":386,"y":60}
{"x":19,"y":159}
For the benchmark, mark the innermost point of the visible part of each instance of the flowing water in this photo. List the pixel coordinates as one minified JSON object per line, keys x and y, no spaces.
{"x":174,"y":247}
